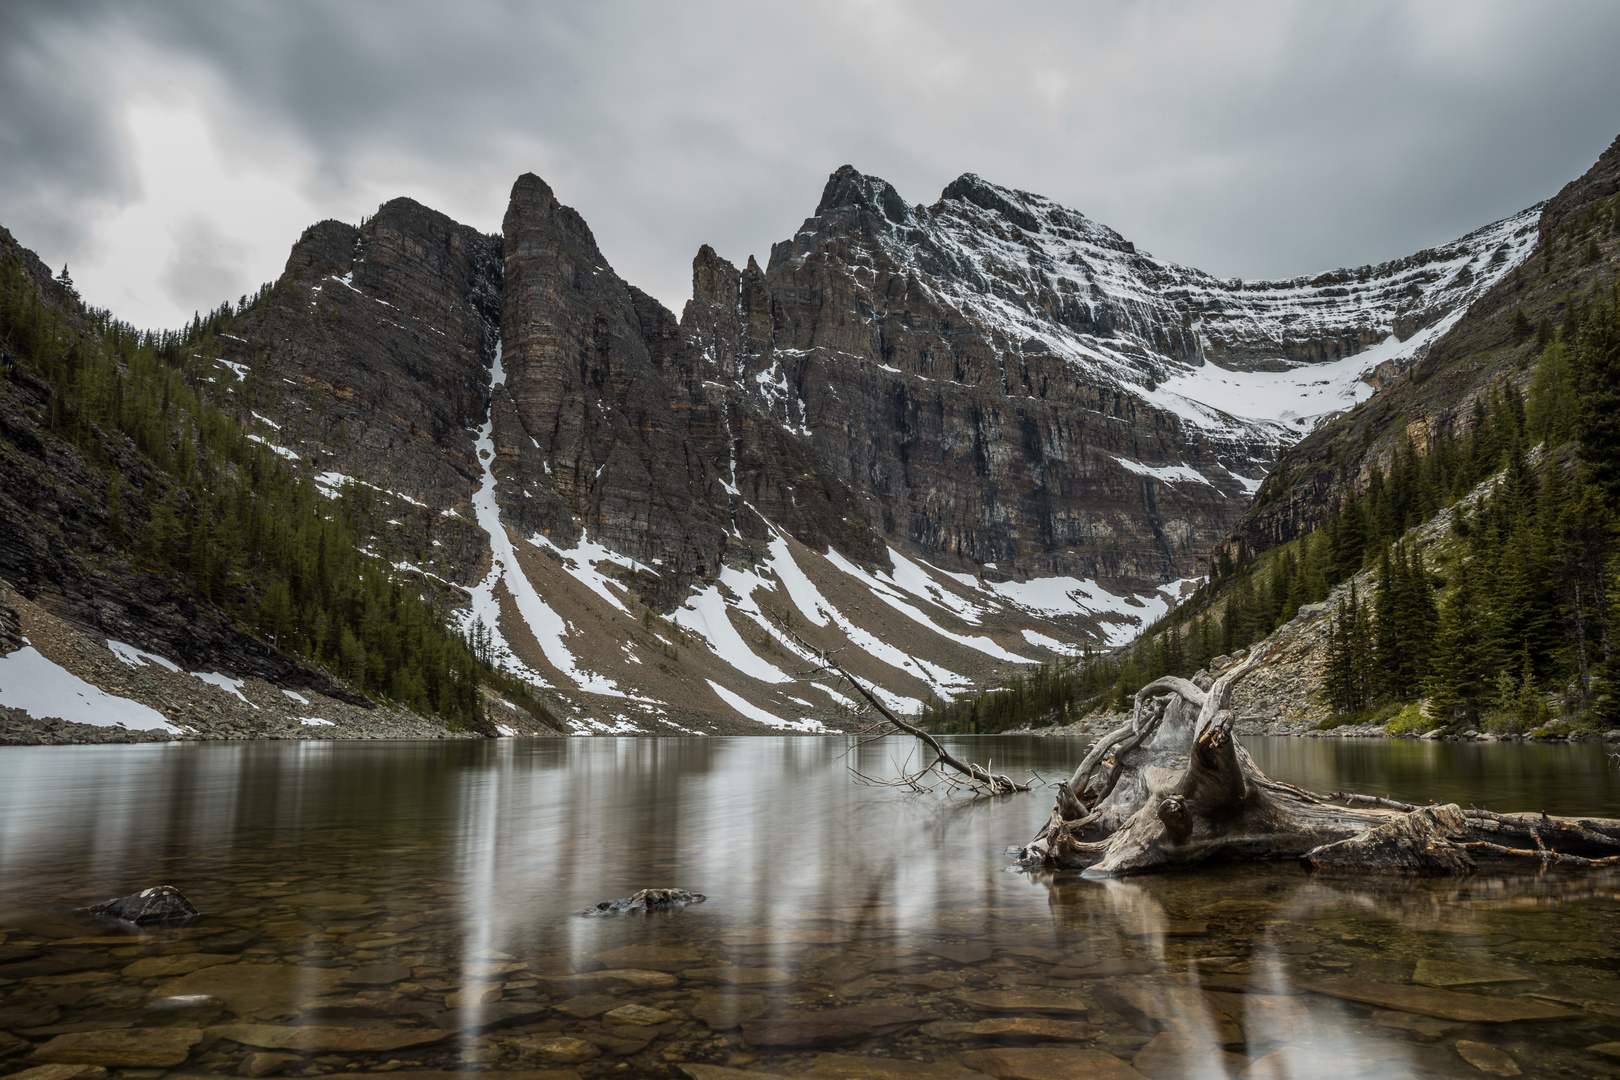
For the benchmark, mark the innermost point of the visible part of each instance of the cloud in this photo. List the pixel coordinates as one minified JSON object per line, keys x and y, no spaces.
{"x":1254,"y":138}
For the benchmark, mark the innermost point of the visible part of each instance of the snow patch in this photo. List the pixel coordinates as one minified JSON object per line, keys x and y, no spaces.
{"x":225,"y":683}
{"x":296,"y":696}
{"x":755,"y":713}
{"x":546,"y":625}
{"x":43,"y":689}
{"x":134,"y":657}
{"x":315,"y":721}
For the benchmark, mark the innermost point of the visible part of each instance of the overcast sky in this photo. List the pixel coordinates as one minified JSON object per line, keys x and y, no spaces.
{"x":172,"y":152}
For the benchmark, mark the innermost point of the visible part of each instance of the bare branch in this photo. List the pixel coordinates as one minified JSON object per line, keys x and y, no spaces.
{"x":995,"y":782}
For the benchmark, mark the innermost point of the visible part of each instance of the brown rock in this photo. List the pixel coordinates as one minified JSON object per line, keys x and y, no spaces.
{"x":562,"y":1049}
{"x":639,"y":1015}
{"x":832,"y":1027}
{"x":723,"y":1012}
{"x":741,"y":976}
{"x":470,"y":996}
{"x":178,"y":964}
{"x":651,"y":958}
{"x":1040,"y":1063}
{"x":12,"y":1044}
{"x":1487,"y":1059}
{"x":255,"y":990}
{"x":719,"y":1072}
{"x":1444,"y":973}
{"x":1425,"y":1028}
{"x":853,"y":1067}
{"x":1610,"y":1050}
{"x":263,"y":1063}
{"x":1182,"y":1011}
{"x":125,"y":1047}
{"x":1038,"y":1001}
{"x":1172,"y":928}
{"x":378,"y":974}
{"x":588,"y":1006}
{"x":1102,"y":969}
{"x":609,"y":977}
{"x":328,"y":1040}
{"x":1012,"y":1029}
{"x":970,"y":953}
{"x":1172,"y":1057}
{"x":61,"y":1072}
{"x":1444,"y":1004}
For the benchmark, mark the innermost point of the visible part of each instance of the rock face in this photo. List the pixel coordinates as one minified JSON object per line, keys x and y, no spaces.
{"x":990,"y":416}
{"x":1477,"y":349}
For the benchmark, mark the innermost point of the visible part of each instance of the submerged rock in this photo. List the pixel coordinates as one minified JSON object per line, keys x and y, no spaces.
{"x":647,"y":900}
{"x":161,"y":903}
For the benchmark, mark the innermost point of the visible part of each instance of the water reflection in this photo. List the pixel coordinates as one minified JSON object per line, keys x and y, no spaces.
{"x":411,"y":905}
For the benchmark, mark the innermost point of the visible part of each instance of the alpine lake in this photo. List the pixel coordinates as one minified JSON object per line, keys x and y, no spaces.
{"x":415,"y":908}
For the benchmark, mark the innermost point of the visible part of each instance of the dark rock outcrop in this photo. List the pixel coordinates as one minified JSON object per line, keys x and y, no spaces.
{"x":161,"y":903}
{"x":646,"y":900}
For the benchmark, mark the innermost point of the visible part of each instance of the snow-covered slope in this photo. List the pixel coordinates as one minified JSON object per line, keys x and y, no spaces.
{"x":1224,"y":354}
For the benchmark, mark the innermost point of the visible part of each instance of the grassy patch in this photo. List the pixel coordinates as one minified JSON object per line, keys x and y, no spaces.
{"x":1377,"y":715}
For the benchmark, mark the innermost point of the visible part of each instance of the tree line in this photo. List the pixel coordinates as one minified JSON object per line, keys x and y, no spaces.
{"x":248,"y":532}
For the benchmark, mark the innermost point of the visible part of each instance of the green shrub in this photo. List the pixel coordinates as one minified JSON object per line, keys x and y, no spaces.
{"x":1411,"y":721}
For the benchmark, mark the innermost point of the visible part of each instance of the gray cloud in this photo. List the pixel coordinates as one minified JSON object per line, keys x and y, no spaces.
{"x":1260,"y":139}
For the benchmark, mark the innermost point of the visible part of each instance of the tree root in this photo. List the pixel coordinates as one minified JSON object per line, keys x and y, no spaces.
{"x":1179,"y":790}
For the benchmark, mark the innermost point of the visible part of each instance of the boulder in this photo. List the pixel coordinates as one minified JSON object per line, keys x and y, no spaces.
{"x":161,"y":903}
{"x":138,"y":1048}
{"x":646,"y":900}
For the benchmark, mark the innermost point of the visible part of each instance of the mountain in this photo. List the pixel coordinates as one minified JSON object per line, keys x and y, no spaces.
{"x":1441,"y":555}
{"x":954,"y":440}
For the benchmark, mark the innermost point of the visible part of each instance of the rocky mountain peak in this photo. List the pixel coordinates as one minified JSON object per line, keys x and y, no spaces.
{"x":849,"y":188}
{"x":999,"y":200}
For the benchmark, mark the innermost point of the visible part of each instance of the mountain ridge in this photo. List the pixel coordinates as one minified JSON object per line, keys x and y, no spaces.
{"x":954,"y":439}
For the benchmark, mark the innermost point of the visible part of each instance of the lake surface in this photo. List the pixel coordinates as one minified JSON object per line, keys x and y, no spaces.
{"x":413,"y":906}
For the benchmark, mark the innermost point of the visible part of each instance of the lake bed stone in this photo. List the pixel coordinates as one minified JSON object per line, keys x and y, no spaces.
{"x":255,"y":990}
{"x":159,"y":904}
{"x":327,"y":1040}
{"x":1487,"y":1058}
{"x":1172,"y":1057}
{"x":122,"y":1047}
{"x":725,"y":1012}
{"x":149,"y":967}
{"x":854,"y":1067}
{"x":1446,"y":974}
{"x":1013,"y":1029}
{"x":564,"y":1049}
{"x":639,"y":1015}
{"x":61,"y":1072}
{"x":378,"y":975}
{"x":664,"y":958}
{"x":831,"y":1027}
{"x":1043,"y":1063}
{"x":740,"y":976}
{"x":1037,"y":1001}
{"x":646,"y":900}
{"x":1442,"y":1004}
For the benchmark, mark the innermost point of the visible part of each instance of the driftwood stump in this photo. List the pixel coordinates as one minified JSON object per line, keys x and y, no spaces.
{"x":1174,"y":788}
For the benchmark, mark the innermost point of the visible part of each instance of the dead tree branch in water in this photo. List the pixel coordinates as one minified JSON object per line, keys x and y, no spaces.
{"x":827,"y":664}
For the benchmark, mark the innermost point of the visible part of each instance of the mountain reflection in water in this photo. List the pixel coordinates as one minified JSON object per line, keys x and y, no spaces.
{"x":413,"y":906}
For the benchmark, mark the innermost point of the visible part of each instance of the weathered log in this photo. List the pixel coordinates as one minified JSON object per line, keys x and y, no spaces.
{"x":1174,"y":788}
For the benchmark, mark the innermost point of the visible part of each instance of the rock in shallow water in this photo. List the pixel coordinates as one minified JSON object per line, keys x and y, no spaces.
{"x":647,"y":900}
{"x":128,"y":1047}
{"x":161,"y":903}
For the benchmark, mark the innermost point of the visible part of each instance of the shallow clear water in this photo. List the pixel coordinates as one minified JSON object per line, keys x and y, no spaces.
{"x":414,"y":906}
